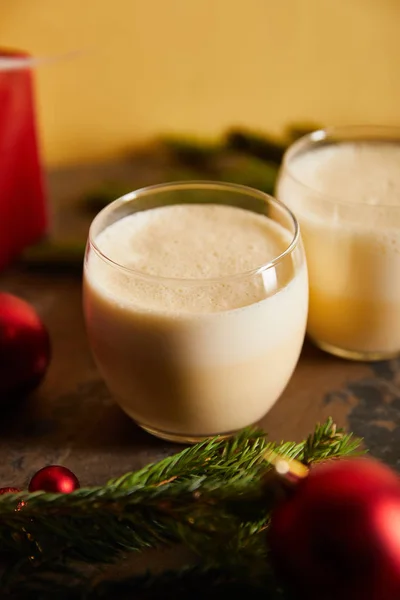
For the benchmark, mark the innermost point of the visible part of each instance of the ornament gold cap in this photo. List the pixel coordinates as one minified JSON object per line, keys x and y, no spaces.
{"x":285,"y":467}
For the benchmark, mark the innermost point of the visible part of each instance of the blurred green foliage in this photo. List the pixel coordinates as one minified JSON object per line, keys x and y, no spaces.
{"x":241,"y":156}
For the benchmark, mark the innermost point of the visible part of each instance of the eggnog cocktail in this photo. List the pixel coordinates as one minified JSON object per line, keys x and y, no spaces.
{"x":195,"y":299}
{"x":344,"y":187}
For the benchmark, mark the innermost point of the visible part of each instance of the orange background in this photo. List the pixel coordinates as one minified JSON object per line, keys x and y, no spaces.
{"x":198,"y":66}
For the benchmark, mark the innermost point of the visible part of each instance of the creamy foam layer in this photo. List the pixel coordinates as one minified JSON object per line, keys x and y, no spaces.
{"x":192,"y":243}
{"x":361,"y":173}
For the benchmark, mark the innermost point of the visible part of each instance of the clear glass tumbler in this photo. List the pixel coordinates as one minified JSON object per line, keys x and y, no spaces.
{"x":192,"y":338}
{"x":343,"y":184}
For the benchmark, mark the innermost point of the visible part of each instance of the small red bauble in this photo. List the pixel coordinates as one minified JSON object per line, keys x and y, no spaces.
{"x":24,"y":347}
{"x":54,"y":479}
{"x":338,"y":534}
{"x":9,"y":490}
{"x":12,"y":490}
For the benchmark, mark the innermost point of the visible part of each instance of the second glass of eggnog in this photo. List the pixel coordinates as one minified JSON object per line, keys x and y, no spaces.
{"x":195,"y":300}
{"x":344,"y":186}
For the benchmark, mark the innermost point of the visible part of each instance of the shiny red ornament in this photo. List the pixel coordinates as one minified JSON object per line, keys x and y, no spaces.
{"x":54,"y":479}
{"x":338,"y":534}
{"x":24,"y":348}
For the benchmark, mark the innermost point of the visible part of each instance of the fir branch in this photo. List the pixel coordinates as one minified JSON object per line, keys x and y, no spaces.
{"x":327,"y":441}
{"x":210,"y":496}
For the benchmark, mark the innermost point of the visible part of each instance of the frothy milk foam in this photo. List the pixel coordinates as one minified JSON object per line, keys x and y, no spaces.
{"x":189,"y":356}
{"x":353,"y":249}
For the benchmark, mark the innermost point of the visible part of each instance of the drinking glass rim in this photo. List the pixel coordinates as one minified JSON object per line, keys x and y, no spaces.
{"x":308,"y":140}
{"x":195,"y":184}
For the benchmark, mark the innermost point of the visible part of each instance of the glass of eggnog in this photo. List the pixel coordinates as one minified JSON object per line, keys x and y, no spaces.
{"x":195,"y":301}
{"x":343,"y":184}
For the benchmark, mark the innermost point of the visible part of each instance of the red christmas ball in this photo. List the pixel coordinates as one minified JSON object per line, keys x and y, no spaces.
{"x":338,"y":534}
{"x":24,"y":347}
{"x":54,"y":479}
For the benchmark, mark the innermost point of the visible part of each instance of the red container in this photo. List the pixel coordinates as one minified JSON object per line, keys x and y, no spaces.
{"x":23,"y":211}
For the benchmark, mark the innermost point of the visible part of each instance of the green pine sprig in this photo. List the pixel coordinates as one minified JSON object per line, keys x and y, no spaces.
{"x":210,"y":497}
